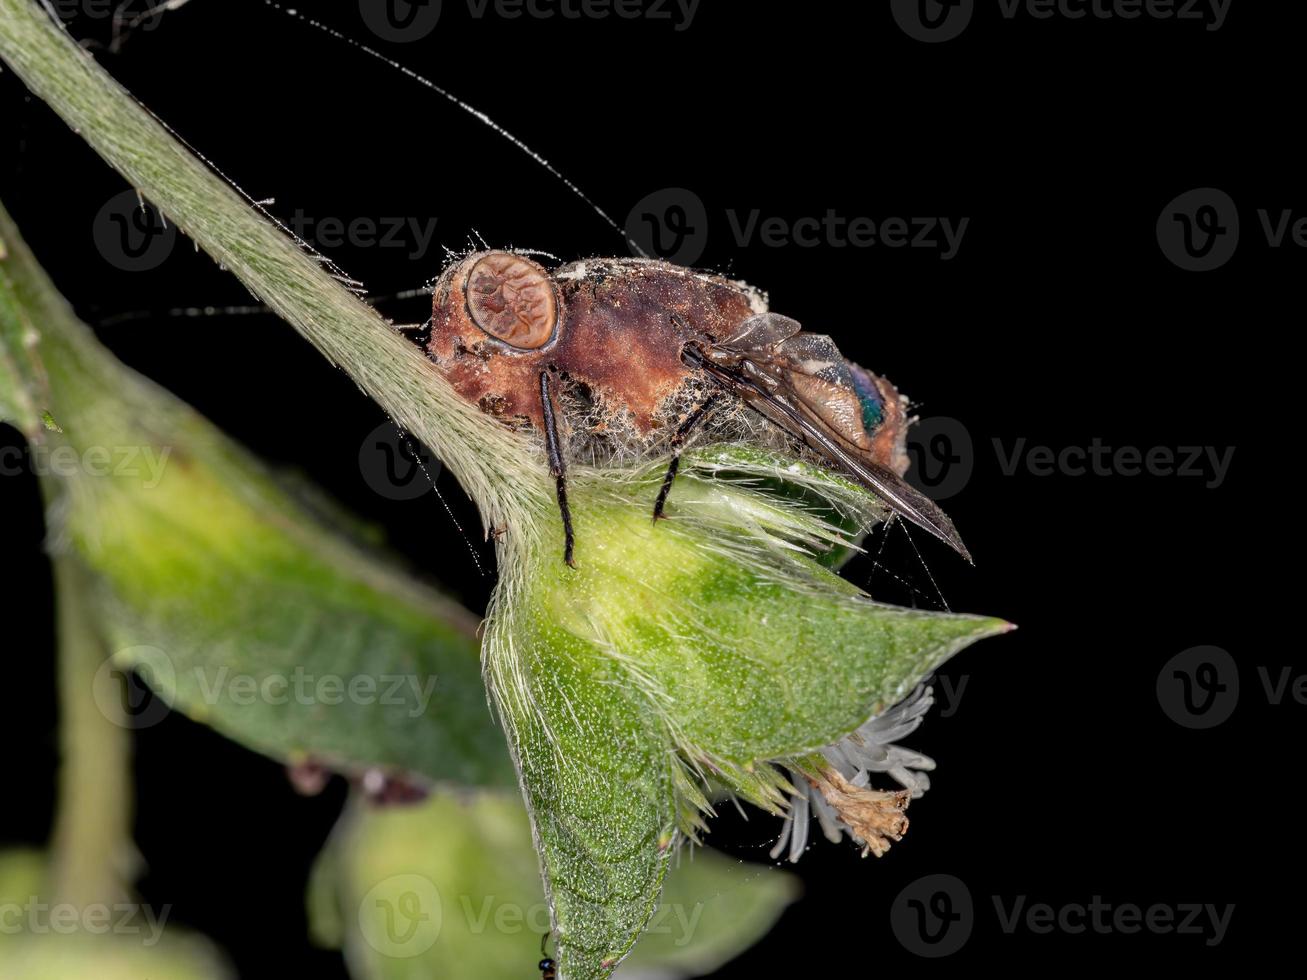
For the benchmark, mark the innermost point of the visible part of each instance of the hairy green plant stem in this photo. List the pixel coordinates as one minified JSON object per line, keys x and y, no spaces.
{"x":499,"y":469}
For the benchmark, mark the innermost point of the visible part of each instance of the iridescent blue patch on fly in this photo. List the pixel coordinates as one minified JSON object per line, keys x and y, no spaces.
{"x":873,"y":405}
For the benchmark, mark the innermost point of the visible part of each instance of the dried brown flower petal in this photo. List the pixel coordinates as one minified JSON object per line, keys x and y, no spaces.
{"x":874,"y":817}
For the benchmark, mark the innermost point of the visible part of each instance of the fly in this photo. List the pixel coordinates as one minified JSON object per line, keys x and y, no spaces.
{"x":654,"y":348}
{"x":646,"y":352}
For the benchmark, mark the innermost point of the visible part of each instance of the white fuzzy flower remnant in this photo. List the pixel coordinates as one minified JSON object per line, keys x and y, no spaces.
{"x":841,"y":796}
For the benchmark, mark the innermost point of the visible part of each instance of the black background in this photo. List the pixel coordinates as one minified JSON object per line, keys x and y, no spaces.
{"x":1059,"y":321}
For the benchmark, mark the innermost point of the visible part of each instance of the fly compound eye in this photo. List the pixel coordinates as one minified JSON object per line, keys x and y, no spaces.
{"x":512,"y":299}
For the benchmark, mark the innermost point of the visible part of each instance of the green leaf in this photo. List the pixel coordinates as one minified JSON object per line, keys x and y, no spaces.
{"x":708,"y":645}
{"x":747,"y":647}
{"x":238,"y":604}
{"x":600,"y":780}
{"x":466,"y":862}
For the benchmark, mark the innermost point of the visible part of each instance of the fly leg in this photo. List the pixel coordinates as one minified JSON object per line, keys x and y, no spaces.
{"x":557,"y":468}
{"x":678,"y":440}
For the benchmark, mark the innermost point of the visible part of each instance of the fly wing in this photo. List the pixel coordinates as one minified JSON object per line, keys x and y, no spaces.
{"x":819,"y":377}
{"x":810,"y":365}
{"x":792,"y":393}
{"x":760,"y":333}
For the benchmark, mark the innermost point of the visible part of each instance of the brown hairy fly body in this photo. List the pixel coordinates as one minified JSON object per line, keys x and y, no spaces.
{"x":605,"y":357}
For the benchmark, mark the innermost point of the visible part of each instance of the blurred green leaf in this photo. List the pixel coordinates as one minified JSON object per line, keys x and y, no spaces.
{"x":61,"y":957}
{"x":237,"y":604}
{"x":712,"y":909}
{"x":452,"y":888}
{"x":22,"y":875}
{"x":45,"y":939}
{"x":72,"y":913}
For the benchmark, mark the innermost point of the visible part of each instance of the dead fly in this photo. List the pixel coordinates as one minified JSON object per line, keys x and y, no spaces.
{"x":637,"y":354}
